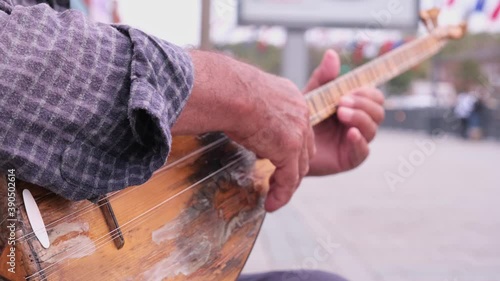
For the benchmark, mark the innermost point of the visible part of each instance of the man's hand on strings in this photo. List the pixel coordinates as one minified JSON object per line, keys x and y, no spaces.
{"x":269,"y":115}
{"x":265,"y":113}
{"x":342,"y":140}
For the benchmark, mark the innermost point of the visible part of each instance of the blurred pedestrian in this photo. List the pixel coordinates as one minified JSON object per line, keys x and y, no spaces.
{"x":463,"y":110}
{"x":477,"y":120}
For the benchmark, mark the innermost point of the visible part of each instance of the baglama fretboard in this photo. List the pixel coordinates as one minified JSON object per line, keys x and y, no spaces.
{"x":323,"y":101}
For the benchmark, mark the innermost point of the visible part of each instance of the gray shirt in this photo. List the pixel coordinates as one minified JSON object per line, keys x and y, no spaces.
{"x":85,"y":108}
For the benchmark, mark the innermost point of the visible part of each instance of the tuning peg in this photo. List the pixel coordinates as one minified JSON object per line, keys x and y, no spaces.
{"x":425,"y":18}
{"x":434,"y":16}
{"x":458,"y":32}
{"x":430,"y":18}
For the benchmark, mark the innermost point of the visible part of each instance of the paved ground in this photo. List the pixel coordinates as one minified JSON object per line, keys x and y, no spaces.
{"x":436,"y":219}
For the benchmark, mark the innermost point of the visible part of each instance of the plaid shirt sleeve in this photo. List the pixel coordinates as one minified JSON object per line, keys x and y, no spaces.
{"x":85,"y":108}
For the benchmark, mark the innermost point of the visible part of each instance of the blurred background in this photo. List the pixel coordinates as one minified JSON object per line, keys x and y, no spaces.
{"x":424,"y":206}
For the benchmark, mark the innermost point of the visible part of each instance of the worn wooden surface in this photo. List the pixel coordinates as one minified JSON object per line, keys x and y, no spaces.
{"x":196,"y":219}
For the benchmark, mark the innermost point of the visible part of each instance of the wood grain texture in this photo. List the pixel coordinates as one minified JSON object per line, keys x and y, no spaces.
{"x":196,"y":219}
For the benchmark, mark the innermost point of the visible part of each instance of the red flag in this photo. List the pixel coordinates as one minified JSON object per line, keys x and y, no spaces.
{"x":116,"y":13}
{"x":386,"y":47}
{"x":357,"y":54}
{"x":262,"y":46}
{"x":496,"y":13}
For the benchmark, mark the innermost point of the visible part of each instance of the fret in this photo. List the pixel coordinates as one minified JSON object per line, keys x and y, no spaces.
{"x":373,"y":74}
{"x":354,"y":82}
{"x":376,"y":73}
{"x":365,"y":79}
{"x":320,"y":101}
{"x":348,"y":83}
{"x":429,"y":44}
{"x":382,"y":70}
{"x":424,"y":45}
{"x":367,"y":74}
{"x":357,"y":78}
{"x":311,"y":102}
{"x":325,"y":93}
{"x":322,"y":96}
{"x":393,"y":66}
{"x":351,"y":85}
{"x":385,"y":63}
{"x":403,"y":58}
{"x":397,"y":56}
{"x":340,"y":85}
{"x":418,"y":49}
{"x":390,"y":68}
{"x":337,"y":87}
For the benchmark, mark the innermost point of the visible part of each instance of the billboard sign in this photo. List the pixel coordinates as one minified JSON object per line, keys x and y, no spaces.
{"x":387,"y":14}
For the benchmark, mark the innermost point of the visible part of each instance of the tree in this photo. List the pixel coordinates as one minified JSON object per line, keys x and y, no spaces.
{"x":468,"y":74}
{"x":400,"y":84}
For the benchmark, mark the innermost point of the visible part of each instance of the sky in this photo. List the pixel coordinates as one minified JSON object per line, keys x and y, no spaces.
{"x":179,"y":22}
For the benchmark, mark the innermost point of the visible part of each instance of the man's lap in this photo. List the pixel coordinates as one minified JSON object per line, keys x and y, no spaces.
{"x":292,"y":276}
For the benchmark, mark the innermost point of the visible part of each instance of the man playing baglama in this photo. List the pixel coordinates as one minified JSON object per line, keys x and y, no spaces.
{"x":93,"y":108}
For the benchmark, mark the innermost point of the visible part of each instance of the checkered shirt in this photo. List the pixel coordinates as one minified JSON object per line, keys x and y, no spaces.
{"x":85,"y":108}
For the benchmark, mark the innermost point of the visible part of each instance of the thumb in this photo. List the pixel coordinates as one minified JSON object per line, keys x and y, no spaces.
{"x":327,"y":70}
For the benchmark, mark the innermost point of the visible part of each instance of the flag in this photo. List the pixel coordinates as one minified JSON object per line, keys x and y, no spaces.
{"x":386,"y":47}
{"x":261,"y":42}
{"x":496,"y":12}
{"x":351,"y":46}
{"x":480,"y":5}
{"x":116,"y":13}
{"x":398,"y":44}
{"x":357,"y":54}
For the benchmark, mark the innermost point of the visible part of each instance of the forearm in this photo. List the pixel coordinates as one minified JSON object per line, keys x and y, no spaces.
{"x":221,"y":97}
{"x":87,"y":108}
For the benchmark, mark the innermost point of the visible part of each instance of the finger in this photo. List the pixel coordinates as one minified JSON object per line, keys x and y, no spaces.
{"x":304,"y":161}
{"x":372,"y":108}
{"x":360,"y":120}
{"x":327,"y":70}
{"x":358,"y":149}
{"x":283,"y":184}
{"x":371,"y":93}
{"x":311,"y":143}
